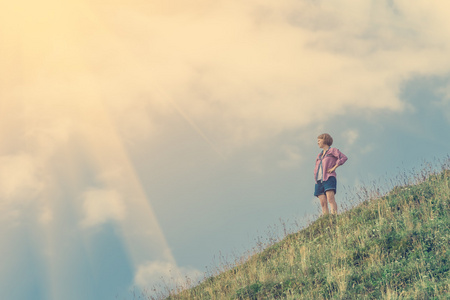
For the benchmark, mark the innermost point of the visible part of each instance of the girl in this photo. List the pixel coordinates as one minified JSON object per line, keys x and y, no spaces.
{"x":324,"y":173}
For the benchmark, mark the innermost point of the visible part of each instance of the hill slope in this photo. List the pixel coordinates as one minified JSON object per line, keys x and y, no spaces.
{"x":393,"y":247}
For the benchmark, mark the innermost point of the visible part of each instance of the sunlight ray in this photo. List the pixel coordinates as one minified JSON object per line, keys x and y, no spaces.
{"x":71,"y":139}
{"x":191,"y":122}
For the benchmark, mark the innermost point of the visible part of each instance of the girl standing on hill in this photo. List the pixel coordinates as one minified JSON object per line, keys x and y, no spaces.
{"x":324,"y":173}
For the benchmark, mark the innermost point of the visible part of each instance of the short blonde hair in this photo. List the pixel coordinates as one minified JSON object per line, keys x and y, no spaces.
{"x":327,"y":139}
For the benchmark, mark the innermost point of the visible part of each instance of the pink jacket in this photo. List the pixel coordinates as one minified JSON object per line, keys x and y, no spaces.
{"x":333,"y":155}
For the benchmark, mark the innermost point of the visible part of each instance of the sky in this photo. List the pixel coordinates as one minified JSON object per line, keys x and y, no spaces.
{"x":143,"y":140}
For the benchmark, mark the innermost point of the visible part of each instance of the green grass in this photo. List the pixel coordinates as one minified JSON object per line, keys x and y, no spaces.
{"x":394,"y":246}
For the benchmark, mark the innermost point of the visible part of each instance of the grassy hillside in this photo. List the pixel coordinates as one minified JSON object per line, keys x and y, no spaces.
{"x":391,"y":247}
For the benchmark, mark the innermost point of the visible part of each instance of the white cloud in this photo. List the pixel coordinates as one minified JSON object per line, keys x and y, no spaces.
{"x":351,"y":136}
{"x":21,"y":182}
{"x":291,"y":157}
{"x":19,"y":177}
{"x":46,"y":215}
{"x":102,"y":205}
{"x":164,"y":272}
{"x":246,"y":71}
{"x":240,"y":71}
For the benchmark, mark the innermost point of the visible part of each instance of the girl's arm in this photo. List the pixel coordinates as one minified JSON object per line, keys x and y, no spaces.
{"x":341,"y":159}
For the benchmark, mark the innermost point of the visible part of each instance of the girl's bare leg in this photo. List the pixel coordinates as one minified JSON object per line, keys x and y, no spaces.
{"x":333,"y":205}
{"x":323,"y":203}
